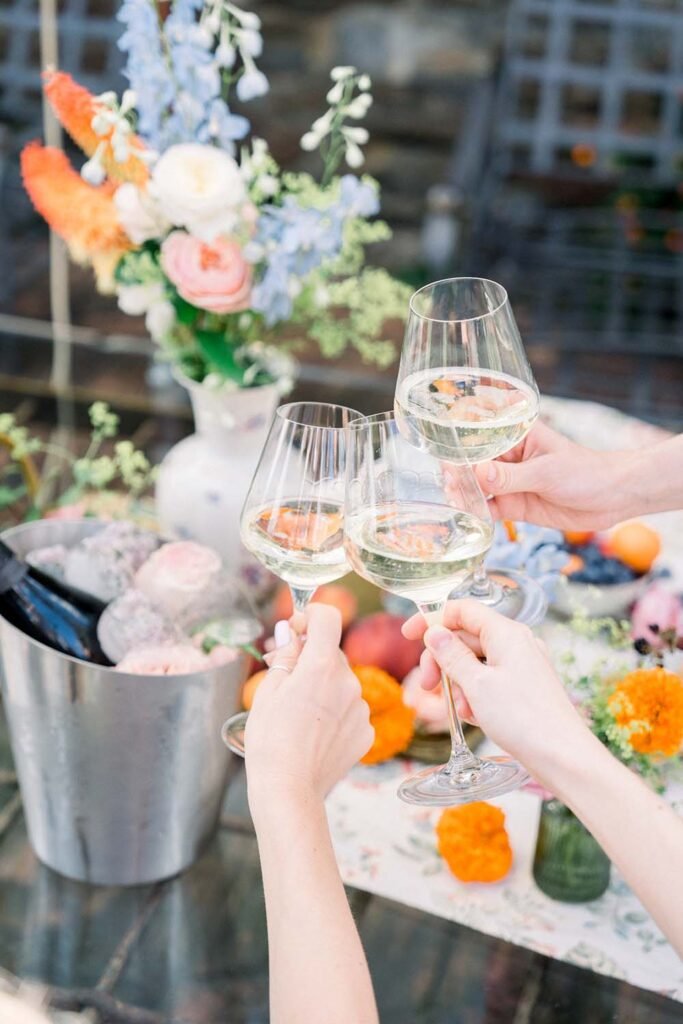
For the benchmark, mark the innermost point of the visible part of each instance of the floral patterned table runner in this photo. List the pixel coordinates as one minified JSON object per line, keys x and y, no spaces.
{"x":389,"y":848}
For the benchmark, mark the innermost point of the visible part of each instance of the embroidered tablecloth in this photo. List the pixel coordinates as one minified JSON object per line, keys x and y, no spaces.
{"x":387,"y":847}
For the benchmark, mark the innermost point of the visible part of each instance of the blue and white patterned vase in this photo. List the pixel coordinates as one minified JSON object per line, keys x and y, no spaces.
{"x":203,"y":480}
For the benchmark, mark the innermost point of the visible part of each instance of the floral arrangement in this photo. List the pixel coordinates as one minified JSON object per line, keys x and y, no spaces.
{"x":473,"y":841}
{"x":637,"y":714}
{"x":219,"y":249}
{"x":71,"y":484}
{"x":392,"y":720}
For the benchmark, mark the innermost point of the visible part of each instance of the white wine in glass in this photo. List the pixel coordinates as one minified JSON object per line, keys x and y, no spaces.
{"x":465,"y":392}
{"x":417,"y":549}
{"x":418,"y":528}
{"x":485,"y":413}
{"x":293,"y":516}
{"x":301,"y":541}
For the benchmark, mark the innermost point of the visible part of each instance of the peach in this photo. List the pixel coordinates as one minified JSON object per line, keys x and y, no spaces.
{"x":377,"y":640}
{"x":635,"y":544}
{"x":337,"y":595}
{"x":250,"y":687}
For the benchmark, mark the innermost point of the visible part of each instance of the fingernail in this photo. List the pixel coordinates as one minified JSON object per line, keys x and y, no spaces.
{"x":491,"y":473}
{"x":282,"y":633}
{"x":437,"y":638}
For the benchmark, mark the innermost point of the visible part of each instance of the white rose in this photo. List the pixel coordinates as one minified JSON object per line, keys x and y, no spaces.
{"x":160,"y":319}
{"x":199,"y":188}
{"x":136,"y":299}
{"x":139,"y":214}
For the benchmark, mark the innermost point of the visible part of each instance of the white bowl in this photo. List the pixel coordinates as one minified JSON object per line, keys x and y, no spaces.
{"x":598,"y":599}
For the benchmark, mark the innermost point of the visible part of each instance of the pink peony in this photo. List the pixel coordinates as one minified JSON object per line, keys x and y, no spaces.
{"x":177,"y":574}
{"x":657,"y":607}
{"x":213,"y":276}
{"x":176,"y":660}
{"x":221,"y":655}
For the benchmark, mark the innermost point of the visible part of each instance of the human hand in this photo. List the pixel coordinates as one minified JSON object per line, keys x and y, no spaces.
{"x":516,"y":696}
{"x":551,"y":481}
{"x":308,"y":724}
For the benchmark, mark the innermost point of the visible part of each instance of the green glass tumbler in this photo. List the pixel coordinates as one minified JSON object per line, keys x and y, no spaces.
{"x":569,"y":864}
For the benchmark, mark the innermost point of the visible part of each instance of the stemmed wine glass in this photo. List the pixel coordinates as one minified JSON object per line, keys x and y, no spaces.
{"x":419,"y":528}
{"x":293,"y":514}
{"x":465,"y":392}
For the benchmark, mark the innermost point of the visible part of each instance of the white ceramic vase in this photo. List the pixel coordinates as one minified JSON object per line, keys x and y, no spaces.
{"x":203,"y":480}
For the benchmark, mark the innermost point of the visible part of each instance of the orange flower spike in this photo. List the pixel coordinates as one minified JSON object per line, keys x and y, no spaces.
{"x":84,"y":216}
{"x":473,"y":841}
{"x":75,"y":108}
{"x":651,"y":701}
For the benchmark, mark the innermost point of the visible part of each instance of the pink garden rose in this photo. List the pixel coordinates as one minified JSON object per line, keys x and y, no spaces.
{"x":213,"y":276}
{"x":177,"y":574}
{"x":657,"y":607}
{"x":173,"y":660}
{"x":78,"y":510}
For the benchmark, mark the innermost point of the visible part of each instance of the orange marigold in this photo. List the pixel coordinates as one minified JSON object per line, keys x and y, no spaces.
{"x":474,"y":843}
{"x":75,"y":108}
{"x":392,"y":720}
{"x":651,"y":699}
{"x":84,"y":216}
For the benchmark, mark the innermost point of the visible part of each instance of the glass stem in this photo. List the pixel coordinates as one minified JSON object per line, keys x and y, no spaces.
{"x":481,"y":584}
{"x":301,"y":597}
{"x":461,"y":756}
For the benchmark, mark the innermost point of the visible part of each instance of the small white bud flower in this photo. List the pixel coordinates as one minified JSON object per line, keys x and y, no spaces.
{"x":342,"y":71}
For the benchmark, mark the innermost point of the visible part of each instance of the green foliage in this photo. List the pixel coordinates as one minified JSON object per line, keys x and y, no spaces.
{"x":90,"y":473}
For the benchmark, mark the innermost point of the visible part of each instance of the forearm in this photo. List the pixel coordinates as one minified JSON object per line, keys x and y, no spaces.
{"x":318,"y":971}
{"x":650,"y":479}
{"x":641,"y":834}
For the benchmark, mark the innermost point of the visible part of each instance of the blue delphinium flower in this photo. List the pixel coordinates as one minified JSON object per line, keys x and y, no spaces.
{"x":538,"y":551}
{"x":292,"y":240}
{"x":176,"y":70}
{"x":357,"y":198}
{"x":146,"y":69}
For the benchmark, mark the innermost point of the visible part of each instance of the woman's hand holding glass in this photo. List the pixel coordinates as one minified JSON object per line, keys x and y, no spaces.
{"x":293,"y":513}
{"x":308,"y":724}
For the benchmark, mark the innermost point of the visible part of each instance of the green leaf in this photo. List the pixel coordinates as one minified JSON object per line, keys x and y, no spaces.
{"x":219,"y":352}
{"x":186,"y":313}
{"x":8,"y":495}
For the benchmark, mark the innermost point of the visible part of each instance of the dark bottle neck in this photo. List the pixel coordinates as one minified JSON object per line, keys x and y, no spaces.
{"x":12,"y":569}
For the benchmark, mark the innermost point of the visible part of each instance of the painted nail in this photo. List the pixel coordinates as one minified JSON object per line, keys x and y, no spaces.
{"x":282,"y":633}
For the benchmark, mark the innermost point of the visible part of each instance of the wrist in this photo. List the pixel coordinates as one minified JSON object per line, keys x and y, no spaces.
{"x":569,"y":766}
{"x":282,"y":799}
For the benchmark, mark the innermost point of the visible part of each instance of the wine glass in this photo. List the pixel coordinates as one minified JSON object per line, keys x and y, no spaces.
{"x":465,"y":392}
{"x":419,"y":528}
{"x":293,"y":513}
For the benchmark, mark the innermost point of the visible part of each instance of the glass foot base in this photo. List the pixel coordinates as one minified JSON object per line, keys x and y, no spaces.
{"x":232,"y":733}
{"x":439,"y":787}
{"x":514,"y":594}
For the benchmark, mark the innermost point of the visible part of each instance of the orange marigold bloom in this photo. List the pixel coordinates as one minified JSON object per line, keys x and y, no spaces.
{"x":75,"y":108}
{"x":83,"y":215}
{"x":474,"y":843}
{"x":392,"y":720}
{"x":652,"y":700}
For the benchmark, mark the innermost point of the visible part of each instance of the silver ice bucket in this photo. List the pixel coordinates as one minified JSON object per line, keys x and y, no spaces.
{"x":121,"y":775}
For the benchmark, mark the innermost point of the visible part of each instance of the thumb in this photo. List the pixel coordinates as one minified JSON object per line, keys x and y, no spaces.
{"x":454,"y":657}
{"x":510,"y":477}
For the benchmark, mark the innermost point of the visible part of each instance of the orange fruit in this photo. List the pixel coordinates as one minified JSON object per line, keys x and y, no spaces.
{"x":250,"y":687}
{"x":574,"y":564}
{"x":578,"y":537}
{"x":635,"y":544}
{"x":336,"y":594}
